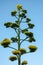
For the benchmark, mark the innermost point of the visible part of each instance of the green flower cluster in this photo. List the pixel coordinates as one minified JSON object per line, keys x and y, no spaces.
{"x":14,"y":39}
{"x":8,"y":24}
{"x":5,"y":43}
{"x":12,"y":58}
{"x":24,"y":11}
{"x":31,"y":25}
{"x":28,"y":20}
{"x":24,"y":62}
{"x":32,"y":48}
{"x":29,"y":34}
{"x":12,"y":25}
{"x":14,"y":13}
{"x":32,"y":39}
{"x":15,"y":52}
{"x":24,"y":30}
{"x":19,"y":6}
{"x":23,"y":51}
{"x":20,"y":14}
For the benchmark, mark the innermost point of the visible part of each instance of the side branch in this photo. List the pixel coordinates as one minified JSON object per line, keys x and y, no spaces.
{"x":23,"y":40}
{"x":21,"y":20}
{"x":26,"y":52}
{"x":15,"y":30}
{"x":12,"y":48}
{"x":27,"y":28}
{"x":16,"y":17}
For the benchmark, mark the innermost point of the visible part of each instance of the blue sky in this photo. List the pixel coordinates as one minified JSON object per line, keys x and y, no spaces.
{"x":35,"y":12}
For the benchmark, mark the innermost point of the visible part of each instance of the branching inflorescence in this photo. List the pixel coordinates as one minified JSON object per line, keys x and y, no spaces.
{"x":20,"y":15}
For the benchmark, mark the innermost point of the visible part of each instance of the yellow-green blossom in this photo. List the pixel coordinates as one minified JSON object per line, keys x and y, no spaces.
{"x":32,"y":48}
{"x":22,"y":50}
{"x":5,"y":42}
{"x":19,"y":6}
{"x":24,"y":62}
{"x":16,"y":52}
{"x":12,"y":58}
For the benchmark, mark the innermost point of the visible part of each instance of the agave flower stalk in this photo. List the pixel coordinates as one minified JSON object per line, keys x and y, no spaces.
{"x":20,"y":15}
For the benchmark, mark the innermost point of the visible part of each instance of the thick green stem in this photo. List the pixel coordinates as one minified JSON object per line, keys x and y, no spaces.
{"x":19,"y":60}
{"x":19,"y":37}
{"x":19,"y":44}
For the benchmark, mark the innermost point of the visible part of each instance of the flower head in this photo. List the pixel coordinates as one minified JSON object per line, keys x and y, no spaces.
{"x":22,"y":15}
{"x":12,"y":58}
{"x":19,"y":6}
{"x":5,"y":42}
{"x":24,"y":62}
{"x":32,"y":48}
{"x":8,"y":24}
{"x":13,"y":13}
{"x":30,"y":34}
{"x":31,"y":25}
{"x":14,"y":39}
{"x":22,"y":50}
{"x":32,"y":39}
{"x":23,"y":10}
{"x":28,"y":20}
{"x":24,"y":30}
{"x":14,"y":25}
{"x":16,"y":52}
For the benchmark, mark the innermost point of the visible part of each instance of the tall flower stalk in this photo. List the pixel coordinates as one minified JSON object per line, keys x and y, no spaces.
{"x":20,"y":15}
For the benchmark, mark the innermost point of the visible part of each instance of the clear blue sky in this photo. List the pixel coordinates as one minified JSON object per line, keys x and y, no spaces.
{"x":35,"y":12}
